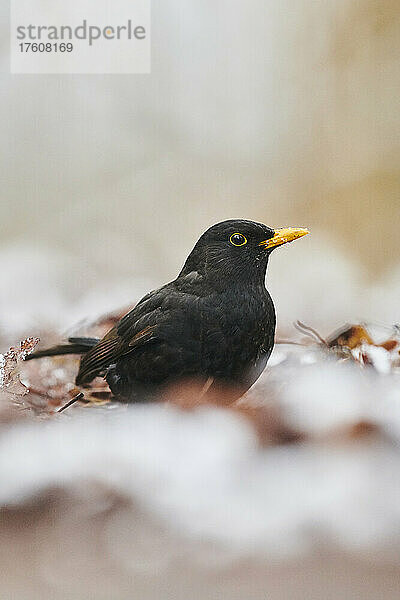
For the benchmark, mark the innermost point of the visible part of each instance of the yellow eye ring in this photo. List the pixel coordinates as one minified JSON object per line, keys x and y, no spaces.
{"x":239,"y":241}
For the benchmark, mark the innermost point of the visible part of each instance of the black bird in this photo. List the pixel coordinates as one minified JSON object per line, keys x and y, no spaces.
{"x":214,"y":323}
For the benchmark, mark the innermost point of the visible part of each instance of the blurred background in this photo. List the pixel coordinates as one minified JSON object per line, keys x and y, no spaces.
{"x":281,"y":112}
{"x":285,"y":112}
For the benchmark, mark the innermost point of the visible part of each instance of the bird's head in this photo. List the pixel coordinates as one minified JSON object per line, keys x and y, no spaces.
{"x":237,"y":249}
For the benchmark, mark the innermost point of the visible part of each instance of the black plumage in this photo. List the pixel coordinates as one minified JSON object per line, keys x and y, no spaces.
{"x":214,"y":323}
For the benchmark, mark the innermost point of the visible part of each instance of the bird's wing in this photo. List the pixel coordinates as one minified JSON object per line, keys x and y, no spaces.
{"x":140,"y":326}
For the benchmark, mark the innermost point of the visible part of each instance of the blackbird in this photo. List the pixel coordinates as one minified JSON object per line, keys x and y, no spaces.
{"x":213,"y":324}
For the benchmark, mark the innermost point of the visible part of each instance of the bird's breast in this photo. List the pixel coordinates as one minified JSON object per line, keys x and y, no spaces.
{"x":237,"y":335}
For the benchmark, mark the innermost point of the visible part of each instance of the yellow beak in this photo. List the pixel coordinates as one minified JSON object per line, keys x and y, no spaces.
{"x":283,"y":236}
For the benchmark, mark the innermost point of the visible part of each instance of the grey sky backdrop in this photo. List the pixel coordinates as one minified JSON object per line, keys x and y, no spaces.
{"x":283,"y":112}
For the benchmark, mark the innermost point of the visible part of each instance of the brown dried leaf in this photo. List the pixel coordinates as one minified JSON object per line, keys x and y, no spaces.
{"x":9,"y":364}
{"x":389,"y":345}
{"x":351,"y":337}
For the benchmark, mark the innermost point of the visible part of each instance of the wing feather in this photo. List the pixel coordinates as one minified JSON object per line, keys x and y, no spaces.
{"x":107,"y":351}
{"x":142,"y":325}
{"x":98,"y":359}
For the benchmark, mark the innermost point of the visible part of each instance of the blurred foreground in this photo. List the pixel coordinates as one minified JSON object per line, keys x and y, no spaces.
{"x":290,"y":493}
{"x":285,"y":113}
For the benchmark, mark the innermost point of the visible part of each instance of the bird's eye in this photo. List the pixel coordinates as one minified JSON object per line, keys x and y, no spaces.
{"x":238,"y":239}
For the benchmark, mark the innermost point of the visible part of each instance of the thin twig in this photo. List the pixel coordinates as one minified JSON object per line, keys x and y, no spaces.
{"x":291,"y":342}
{"x":306,"y":330}
{"x":72,"y":401}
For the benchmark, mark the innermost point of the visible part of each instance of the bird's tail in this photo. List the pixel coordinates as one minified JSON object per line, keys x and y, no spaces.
{"x":75,"y":346}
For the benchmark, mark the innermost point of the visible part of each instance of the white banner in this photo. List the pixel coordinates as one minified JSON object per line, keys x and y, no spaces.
{"x":80,"y":36}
